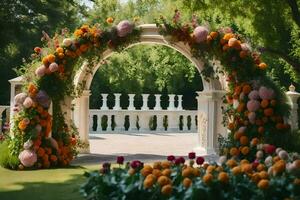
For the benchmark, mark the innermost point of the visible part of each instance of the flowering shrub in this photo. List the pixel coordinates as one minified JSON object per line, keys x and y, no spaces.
{"x":42,"y":140}
{"x":273,"y":175}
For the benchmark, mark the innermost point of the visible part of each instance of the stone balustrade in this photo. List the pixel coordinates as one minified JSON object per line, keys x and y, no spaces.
{"x":173,"y":119}
{"x":6,"y":110}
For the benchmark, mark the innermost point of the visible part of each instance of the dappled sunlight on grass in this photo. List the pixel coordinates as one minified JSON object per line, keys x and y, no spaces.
{"x":43,"y":184}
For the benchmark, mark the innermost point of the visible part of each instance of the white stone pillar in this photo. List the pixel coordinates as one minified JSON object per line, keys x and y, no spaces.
{"x":179,"y":107}
{"x":293,"y":97}
{"x":99,"y":124}
{"x":12,"y":104}
{"x":209,"y":121}
{"x":131,"y":102}
{"x":157,"y":102}
{"x":132,"y":122}
{"x":91,"y":123}
{"x":83,"y":128}
{"x":173,"y":122}
{"x":171,"y":102}
{"x":117,"y":102}
{"x":193,"y":124}
{"x":104,"y":100}
{"x":144,"y":119}
{"x":184,"y":123}
{"x":108,"y":129}
{"x":160,"y":122}
{"x":145,"y":102}
{"x":119,"y":122}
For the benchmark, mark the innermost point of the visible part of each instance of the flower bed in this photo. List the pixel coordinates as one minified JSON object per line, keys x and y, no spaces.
{"x":273,"y":175}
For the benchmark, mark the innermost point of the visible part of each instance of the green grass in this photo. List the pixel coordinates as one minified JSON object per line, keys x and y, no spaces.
{"x":52,"y":184}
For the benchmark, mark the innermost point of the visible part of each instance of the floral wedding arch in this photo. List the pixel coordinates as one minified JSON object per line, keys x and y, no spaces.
{"x":253,"y":111}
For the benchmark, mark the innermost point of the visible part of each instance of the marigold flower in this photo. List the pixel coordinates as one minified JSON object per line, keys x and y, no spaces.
{"x":163,"y":180}
{"x":223,"y":177}
{"x":167,"y":189}
{"x":147,"y":169}
{"x":109,"y":20}
{"x":167,"y":172}
{"x":187,"y":182}
{"x":22,"y":125}
{"x":236,"y":170}
{"x":187,"y":172}
{"x":263,"y":184}
{"x":78,"y":33}
{"x":207,"y":178}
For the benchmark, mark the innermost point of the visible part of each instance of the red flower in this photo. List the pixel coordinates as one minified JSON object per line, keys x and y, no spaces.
{"x":200,"y":160}
{"x":136,"y":164}
{"x":192,"y":155}
{"x":180,"y":160}
{"x":270,"y":149}
{"x":120,"y":160}
{"x":171,"y":158}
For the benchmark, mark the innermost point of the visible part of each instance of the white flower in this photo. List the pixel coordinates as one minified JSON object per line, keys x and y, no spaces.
{"x":283,"y":155}
{"x":278,"y":150}
{"x":268,"y":161}
{"x":259,"y":154}
{"x":222,"y":160}
{"x":28,"y":144}
{"x":67,"y":42}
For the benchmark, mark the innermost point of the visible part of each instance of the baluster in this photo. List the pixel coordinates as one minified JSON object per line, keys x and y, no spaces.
{"x":173,"y":125}
{"x":109,"y":129}
{"x":179,"y":107}
{"x":117,"y":102}
{"x":193,"y":123}
{"x":157,"y":102}
{"x":131,"y":102}
{"x":119,"y":120}
{"x":91,"y":122}
{"x":144,"y":122}
{"x":99,"y":124}
{"x":171,"y":102}
{"x":160,"y":122}
{"x":145,"y":102}
{"x":132,"y":123}
{"x":104,"y":102}
{"x":184,"y":123}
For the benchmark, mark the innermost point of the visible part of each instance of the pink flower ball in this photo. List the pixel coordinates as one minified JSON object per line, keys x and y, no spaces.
{"x":28,"y":158}
{"x":200,"y":34}
{"x":53,"y":67}
{"x":20,"y":98}
{"x":251,"y":117}
{"x":124,"y":28}
{"x":242,"y":129}
{"x":253,"y":105}
{"x":40,"y":71}
{"x":53,"y":143}
{"x":266,"y":93}
{"x":253,"y":95}
{"x":28,"y":102}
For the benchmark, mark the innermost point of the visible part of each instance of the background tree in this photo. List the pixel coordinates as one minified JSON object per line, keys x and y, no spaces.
{"x":22,"y":24}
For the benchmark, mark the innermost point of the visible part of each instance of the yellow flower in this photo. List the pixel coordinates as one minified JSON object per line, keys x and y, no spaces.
{"x":263,"y":184}
{"x":78,"y":33}
{"x":109,"y":20}
{"x":167,"y":189}
{"x":187,"y":182}
{"x":223,"y":177}
{"x":207,"y":178}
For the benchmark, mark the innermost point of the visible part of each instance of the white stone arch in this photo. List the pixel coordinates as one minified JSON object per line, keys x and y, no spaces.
{"x":209,"y":100}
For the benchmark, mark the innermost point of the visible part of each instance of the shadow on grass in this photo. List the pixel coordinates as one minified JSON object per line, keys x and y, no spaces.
{"x":67,"y":190}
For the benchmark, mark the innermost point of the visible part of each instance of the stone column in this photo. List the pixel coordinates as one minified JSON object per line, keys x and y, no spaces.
{"x":144,"y":119}
{"x":104,"y":100}
{"x":160,"y":122}
{"x":99,"y":124}
{"x":117,"y":102}
{"x":184,"y":123}
{"x":131,"y":102}
{"x":145,"y":102}
{"x":293,"y":97}
{"x":132,"y":122}
{"x":81,"y":117}
{"x":173,"y":122}
{"x":171,"y":102}
{"x":193,"y":123}
{"x":179,"y":107}
{"x":157,"y":102}
{"x":108,"y":129}
{"x":209,"y":120}
{"x":91,"y":123}
{"x":119,"y":122}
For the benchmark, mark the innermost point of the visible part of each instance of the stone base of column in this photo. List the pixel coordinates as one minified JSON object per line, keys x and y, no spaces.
{"x":201,"y":151}
{"x":86,"y":149}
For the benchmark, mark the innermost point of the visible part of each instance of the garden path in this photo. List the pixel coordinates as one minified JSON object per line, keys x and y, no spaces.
{"x":144,"y":147}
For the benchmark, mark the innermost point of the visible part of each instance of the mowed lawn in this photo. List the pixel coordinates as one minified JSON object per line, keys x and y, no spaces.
{"x":52,"y":184}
